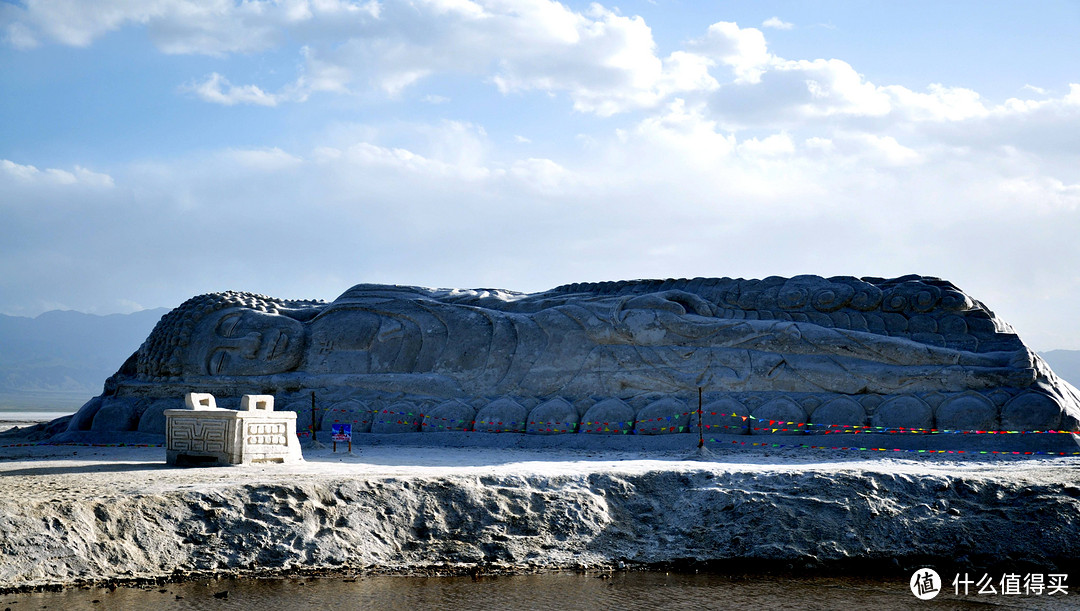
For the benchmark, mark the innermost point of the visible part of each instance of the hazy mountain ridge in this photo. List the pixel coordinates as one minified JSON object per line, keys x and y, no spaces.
{"x":67,"y":351}
{"x":1065,"y":363}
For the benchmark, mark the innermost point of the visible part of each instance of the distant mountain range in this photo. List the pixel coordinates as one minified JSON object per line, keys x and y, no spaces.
{"x":1065,"y":363}
{"x":60,"y":359}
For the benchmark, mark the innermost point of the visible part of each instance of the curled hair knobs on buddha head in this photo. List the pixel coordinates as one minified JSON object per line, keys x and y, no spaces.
{"x":161,"y":355}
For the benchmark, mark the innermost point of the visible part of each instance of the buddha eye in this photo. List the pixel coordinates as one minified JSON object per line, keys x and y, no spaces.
{"x":218,"y":361}
{"x":228,"y":325}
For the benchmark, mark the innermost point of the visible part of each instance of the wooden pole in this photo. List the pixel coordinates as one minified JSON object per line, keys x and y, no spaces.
{"x":701,"y":430}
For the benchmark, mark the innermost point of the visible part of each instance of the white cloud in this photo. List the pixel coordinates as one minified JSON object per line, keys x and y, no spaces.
{"x":1073,"y":97}
{"x":940,"y":103}
{"x":181,"y":26}
{"x":219,"y":90}
{"x":835,"y":88}
{"x":883,"y":150}
{"x":685,"y":131}
{"x":30,"y":175}
{"x":1040,"y":194}
{"x":673,"y":194}
{"x":543,"y":175}
{"x":728,"y":160}
{"x":19,"y":36}
{"x":777,"y":24}
{"x":273,"y":159}
{"x":742,"y":49}
{"x":93,"y":179}
{"x":75,"y":23}
{"x":770,"y":146}
{"x":605,"y":62}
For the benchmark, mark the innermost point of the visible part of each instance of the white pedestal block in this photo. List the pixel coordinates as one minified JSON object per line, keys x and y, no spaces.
{"x":205,"y":434}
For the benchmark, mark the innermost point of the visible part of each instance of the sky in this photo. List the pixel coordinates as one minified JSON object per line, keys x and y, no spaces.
{"x":151,"y":150}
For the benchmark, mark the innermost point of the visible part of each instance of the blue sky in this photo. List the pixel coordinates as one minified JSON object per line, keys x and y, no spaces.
{"x":152,"y":150}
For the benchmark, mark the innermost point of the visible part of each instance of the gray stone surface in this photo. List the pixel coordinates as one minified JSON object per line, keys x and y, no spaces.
{"x":967,"y":412}
{"x":83,"y":419}
{"x":1031,"y":411}
{"x":503,"y":415}
{"x":608,"y":417}
{"x":664,"y":417}
{"x":903,"y":413}
{"x":452,"y":415}
{"x":554,"y":417}
{"x":838,"y":415}
{"x":911,"y":352}
{"x":400,"y":417}
{"x":778,"y":416}
{"x":118,"y":414}
{"x":153,"y":418}
{"x":725,"y":417}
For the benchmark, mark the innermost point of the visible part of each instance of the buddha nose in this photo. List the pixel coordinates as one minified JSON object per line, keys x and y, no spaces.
{"x":249,"y":344}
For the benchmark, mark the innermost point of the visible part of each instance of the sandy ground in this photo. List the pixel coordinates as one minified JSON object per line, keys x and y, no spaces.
{"x":71,"y":514}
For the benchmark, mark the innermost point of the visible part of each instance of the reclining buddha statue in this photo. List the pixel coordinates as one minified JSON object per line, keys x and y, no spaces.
{"x":808,"y":338}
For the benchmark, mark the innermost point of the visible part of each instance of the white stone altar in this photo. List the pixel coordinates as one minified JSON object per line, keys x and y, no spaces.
{"x":205,"y":434}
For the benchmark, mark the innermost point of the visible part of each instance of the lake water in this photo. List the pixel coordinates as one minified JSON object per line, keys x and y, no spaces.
{"x":561,"y":591}
{"x":18,"y":416}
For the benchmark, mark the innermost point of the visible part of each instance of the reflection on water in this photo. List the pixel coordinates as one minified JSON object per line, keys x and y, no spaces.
{"x":563,"y":591}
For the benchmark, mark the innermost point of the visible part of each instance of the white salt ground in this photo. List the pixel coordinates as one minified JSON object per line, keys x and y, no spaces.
{"x":76,"y":513}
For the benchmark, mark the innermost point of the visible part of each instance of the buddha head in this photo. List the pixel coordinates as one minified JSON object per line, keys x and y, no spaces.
{"x":227,"y":334}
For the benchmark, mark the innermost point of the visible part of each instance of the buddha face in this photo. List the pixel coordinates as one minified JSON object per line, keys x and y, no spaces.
{"x":244,"y":342}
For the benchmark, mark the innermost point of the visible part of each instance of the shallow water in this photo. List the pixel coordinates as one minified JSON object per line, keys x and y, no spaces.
{"x":16,"y":416}
{"x":562,"y":591}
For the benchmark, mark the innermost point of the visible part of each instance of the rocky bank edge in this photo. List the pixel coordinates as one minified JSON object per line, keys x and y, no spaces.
{"x":521,"y":516}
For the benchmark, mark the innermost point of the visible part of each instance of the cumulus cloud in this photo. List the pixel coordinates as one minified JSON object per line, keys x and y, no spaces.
{"x":770,"y":146}
{"x":742,"y":49}
{"x":719,"y":158}
{"x":219,"y":90}
{"x":605,"y":62}
{"x":777,"y":24}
